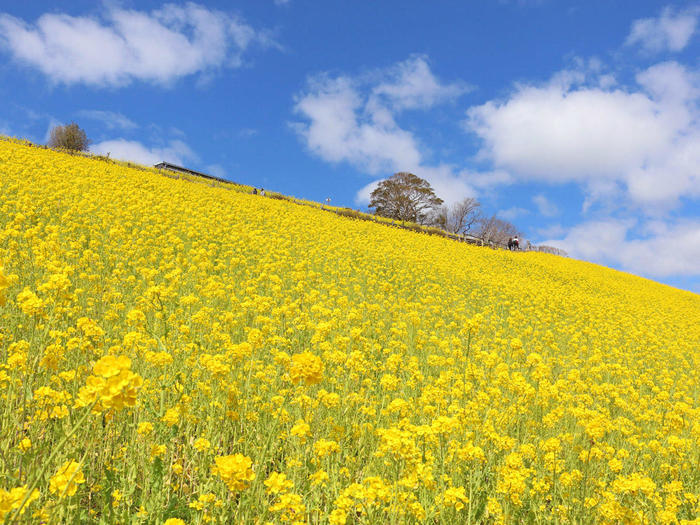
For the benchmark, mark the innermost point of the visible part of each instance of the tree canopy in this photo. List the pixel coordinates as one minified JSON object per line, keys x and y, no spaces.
{"x":405,"y":197}
{"x":70,"y":136}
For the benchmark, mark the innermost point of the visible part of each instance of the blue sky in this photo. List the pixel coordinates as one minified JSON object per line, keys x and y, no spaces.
{"x":577,"y":121}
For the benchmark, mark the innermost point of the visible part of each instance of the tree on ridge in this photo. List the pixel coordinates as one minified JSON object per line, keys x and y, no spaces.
{"x":460,"y":217}
{"x":70,"y":136}
{"x":404,"y":197}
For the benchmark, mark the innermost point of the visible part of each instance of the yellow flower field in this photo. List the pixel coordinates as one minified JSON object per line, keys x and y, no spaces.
{"x":173,"y":352}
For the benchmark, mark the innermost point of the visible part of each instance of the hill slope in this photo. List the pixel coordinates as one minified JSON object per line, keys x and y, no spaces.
{"x":270,"y":362}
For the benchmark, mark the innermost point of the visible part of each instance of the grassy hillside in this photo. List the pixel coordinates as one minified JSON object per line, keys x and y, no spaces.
{"x":174,"y":350}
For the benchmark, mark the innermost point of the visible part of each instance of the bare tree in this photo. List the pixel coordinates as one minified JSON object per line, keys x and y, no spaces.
{"x":405,"y":197}
{"x":493,"y":229}
{"x":460,"y":217}
{"x":551,"y":249}
{"x":71,"y":137}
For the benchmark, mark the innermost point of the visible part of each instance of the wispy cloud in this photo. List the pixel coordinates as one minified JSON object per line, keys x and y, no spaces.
{"x":110,"y":119}
{"x":247,"y":132}
{"x":217,"y":170}
{"x":670,"y":31}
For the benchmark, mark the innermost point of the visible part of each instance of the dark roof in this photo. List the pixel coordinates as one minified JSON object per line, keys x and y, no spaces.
{"x":179,"y":169}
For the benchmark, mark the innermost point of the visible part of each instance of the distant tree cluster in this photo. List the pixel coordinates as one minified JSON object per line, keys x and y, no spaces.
{"x":460,"y":218}
{"x":550,"y":249}
{"x":406,"y":197}
{"x":70,"y":136}
{"x":494,"y":230}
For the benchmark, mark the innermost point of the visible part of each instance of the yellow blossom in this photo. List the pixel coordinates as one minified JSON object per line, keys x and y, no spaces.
{"x":306,"y":368}
{"x":456,"y":497}
{"x":202,"y":444}
{"x":10,"y":500}
{"x":277,"y":483}
{"x":25,"y":444}
{"x":66,"y":480}
{"x":144,"y":428}
{"x":235,"y":470}
{"x":113,"y":385}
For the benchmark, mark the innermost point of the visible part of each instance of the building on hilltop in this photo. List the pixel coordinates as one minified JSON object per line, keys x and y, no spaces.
{"x":179,"y":169}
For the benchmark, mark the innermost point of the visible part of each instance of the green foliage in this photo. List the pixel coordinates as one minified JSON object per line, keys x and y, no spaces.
{"x":405,"y":197}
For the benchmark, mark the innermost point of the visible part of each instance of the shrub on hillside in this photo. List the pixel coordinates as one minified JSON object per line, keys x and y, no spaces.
{"x":70,"y":137}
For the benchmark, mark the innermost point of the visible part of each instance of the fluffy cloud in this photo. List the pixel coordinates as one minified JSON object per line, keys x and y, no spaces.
{"x":126,"y":45}
{"x":662,"y":250}
{"x":341,"y":127}
{"x":670,"y":31}
{"x":646,"y":139}
{"x":354,"y":120}
{"x":176,"y":151}
{"x":110,"y":119}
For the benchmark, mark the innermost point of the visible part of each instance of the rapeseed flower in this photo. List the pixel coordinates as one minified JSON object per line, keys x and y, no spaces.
{"x":66,"y":480}
{"x":10,"y":500}
{"x":4,"y":284}
{"x":235,"y":470}
{"x":306,"y":368}
{"x":389,"y":375}
{"x":113,"y":385}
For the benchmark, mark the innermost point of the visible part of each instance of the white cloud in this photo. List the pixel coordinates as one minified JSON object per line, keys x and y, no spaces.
{"x":342,"y":128}
{"x":110,"y":119}
{"x":596,"y":241}
{"x":545,"y":206}
{"x":488,"y":179}
{"x":175,"y":152}
{"x":670,"y":31}
{"x":126,"y":45}
{"x":353,"y":120}
{"x":646,"y":139}
{"x":665,"y":249}
{"x":672,"y":84}
{"x":362,"y":196}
